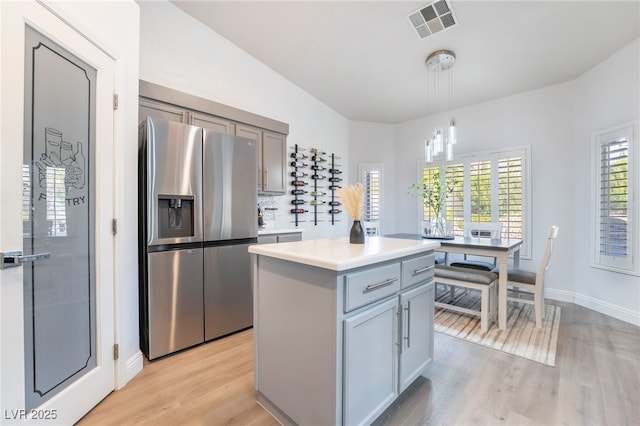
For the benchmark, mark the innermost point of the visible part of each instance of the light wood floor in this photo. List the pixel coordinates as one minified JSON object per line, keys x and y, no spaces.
{"x":596,"y":381}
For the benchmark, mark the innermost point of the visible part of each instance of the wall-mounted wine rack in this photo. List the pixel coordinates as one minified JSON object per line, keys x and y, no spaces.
{"x":298,"y":182}
{"x":321,"y":169}
{"x":334,"y":184}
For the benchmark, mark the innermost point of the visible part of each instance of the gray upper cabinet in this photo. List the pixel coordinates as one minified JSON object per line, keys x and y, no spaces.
{"x":153,"y":108}
{"x":271,"y":158}
{"x":211,"y":122}
{"x":149,"y":107}
{"x":273,"y":162}
{"x":271,"y":135}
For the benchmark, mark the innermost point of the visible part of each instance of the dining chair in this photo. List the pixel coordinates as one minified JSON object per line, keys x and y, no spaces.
{"x":490,"y":230}
{"x":520,"y":281}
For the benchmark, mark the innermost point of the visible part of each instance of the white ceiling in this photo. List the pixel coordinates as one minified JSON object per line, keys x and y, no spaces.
{"x":364,"y":60}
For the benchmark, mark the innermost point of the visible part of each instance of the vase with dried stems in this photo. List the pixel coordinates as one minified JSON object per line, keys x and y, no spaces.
{"x":352,"y":197}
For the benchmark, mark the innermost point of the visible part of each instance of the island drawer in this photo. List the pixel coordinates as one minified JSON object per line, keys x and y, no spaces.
{"x":417,"y":270}
{"x":364,"y":287}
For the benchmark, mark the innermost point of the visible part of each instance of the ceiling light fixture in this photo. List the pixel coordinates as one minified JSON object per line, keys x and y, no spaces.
{"x":439,"y":62}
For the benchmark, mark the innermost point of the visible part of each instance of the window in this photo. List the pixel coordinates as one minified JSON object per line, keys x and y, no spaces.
{"x":615,"y":215}
{"x":371,"y":178}
{"x":454,"y":206}
{"x":488,"y":187}
{"x":427,"y":178}
{"x":52,"y":180}
{"x":510,"y":193}
{"x":480,"y":199}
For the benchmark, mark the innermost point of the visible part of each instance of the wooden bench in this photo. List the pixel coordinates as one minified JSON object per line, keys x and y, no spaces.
{"x":483,"y":281}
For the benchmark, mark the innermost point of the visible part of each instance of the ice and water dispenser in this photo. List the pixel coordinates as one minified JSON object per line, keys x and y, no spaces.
{"x":176,"y":216}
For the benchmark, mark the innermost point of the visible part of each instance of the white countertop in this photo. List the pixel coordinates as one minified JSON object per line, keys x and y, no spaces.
{"x":338,"y":254}
{"x":268,"y":231}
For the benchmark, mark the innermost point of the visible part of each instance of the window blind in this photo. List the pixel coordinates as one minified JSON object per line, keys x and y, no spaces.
{"x":371,"y":180}
{"x":511,"y":200}
{"x":489,"y":187}
{"x":454,"y":174}
{"x":614,"y":169}
{"x":480,"y":178}
{"x":427,"y":178}
{"x":56,"y":208}
{"x":26,"y":194}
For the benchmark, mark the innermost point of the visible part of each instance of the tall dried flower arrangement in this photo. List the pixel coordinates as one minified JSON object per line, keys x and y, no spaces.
{"x":352,"y":197}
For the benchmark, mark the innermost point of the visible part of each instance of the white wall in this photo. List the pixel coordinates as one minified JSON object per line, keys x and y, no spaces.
{"x":557,"y":123}
{"x":374,"y":143}
{"x":179,"y":52}
{"x":607,"y":95}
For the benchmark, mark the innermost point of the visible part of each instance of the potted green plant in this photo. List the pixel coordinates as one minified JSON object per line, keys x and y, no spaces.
{"x":434,"y":195}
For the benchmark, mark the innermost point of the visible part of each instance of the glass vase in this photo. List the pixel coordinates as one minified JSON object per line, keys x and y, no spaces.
{"x":439,"y":226}
{"x":356,"y":236}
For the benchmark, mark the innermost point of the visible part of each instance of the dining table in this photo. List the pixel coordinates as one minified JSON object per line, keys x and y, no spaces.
{"x":501,"y":249}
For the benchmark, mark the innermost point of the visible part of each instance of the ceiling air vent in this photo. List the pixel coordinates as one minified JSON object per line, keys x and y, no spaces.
{"x":433,"y":18}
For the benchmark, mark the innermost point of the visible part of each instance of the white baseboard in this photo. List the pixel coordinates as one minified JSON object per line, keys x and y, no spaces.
{"x":618,"y":312}
{"x":130,"y":369}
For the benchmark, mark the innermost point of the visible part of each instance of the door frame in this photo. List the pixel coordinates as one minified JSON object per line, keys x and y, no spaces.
{"x":46,"y":20}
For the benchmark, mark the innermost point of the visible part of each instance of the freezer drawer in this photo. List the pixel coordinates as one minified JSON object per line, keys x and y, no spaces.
{"x":228,"y":295}
{"x":175,"y":309}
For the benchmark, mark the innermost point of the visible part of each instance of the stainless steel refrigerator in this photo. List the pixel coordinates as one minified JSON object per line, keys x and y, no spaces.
{"x":198,"y":197}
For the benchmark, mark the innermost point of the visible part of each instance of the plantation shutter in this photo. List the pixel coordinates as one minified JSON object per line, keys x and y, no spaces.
{"x":427,"y":179}
{"x":487,"y":187}
{"x":614,"y":184}
{"x":480,"y":177}
{"x":510,"y":189}
{"x":371,"y":182}
{"x":455,"y":202}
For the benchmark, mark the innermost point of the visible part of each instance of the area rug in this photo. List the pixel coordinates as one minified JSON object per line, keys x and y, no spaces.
{"x":521,"y":338}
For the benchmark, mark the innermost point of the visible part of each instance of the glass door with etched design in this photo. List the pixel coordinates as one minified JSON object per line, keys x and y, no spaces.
{"x":57,"y":254}
{"x":58,"y":219}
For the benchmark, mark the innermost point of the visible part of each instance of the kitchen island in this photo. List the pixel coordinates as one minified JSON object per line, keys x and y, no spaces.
{"x":340,"y":329}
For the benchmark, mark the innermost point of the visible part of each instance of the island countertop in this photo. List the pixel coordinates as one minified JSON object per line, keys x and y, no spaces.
{"x":337,"y":254}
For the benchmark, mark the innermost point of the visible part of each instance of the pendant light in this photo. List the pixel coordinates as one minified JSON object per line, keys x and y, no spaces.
{"x":440,"y":142}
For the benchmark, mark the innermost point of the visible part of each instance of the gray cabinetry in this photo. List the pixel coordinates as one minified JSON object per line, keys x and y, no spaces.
{"x":273,"y":162}
{"x":271,"y":158}
{"x":339,"y":347}
{"x":284,"y":237}
{"x":154,"y":108}
{"x":163,"y":102}
{"x":267,"y":239}
{"x":149,"y":107}
{"x":416,"y":351}
{"x":211,"y":122}
{"x":370,"y":362}
{"x":375,"y":341}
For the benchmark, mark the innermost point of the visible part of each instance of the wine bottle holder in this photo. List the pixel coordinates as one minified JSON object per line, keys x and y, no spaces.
{"x":317,"y":175}
{"x":298,"y":161}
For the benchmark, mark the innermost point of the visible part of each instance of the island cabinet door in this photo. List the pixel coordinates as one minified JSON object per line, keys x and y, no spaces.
{"x":370,"y":362}
{"x":416,"y":350}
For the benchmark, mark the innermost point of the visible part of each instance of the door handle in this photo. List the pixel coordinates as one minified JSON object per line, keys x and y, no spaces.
{"x":11,"y":259}
{"x":408,"y":336}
